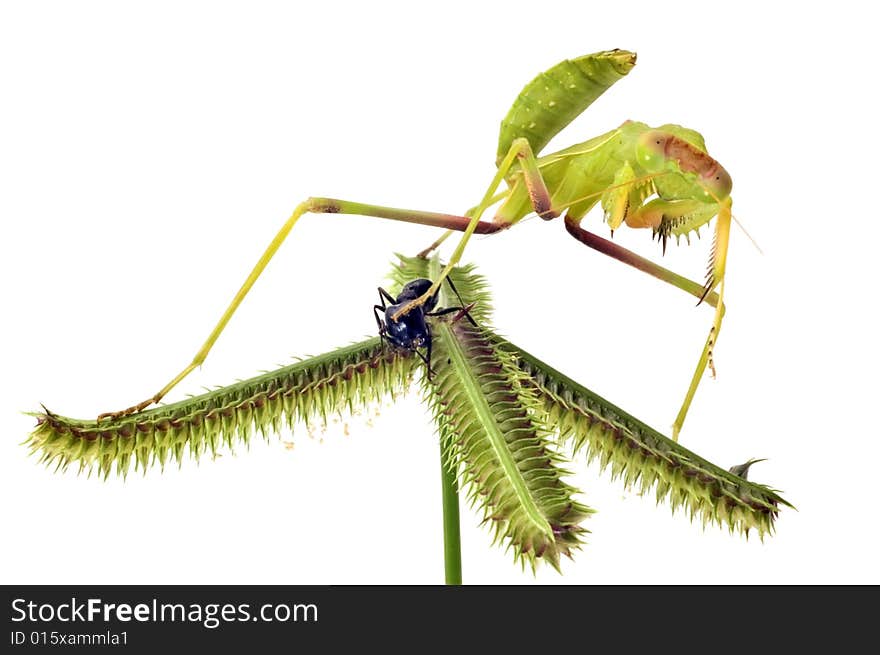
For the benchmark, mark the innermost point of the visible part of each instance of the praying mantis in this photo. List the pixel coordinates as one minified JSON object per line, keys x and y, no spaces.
{"x":658,"y":178}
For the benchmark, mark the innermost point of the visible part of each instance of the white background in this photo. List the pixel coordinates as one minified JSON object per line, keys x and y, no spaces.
{"x":150,"y":151}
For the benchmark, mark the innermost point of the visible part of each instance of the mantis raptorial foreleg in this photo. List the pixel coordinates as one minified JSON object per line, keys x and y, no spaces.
{"x":715,"y":277}
{"x":316,"y":206}
{"x":703,"y":292}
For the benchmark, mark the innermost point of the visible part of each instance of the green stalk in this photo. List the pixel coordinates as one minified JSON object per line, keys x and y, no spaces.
{"x":451,"y":517}
{"x":451,"y":524}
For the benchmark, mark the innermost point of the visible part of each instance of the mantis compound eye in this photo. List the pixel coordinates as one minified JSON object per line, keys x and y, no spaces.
{"x":651,"y":150}
{"x":718,"y":181}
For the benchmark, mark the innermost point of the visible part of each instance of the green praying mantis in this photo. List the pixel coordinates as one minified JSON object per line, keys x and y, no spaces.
{"x":662,"y":179}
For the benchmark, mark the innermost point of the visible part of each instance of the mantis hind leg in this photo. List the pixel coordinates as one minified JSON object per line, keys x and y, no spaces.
{"x":315,"y":206}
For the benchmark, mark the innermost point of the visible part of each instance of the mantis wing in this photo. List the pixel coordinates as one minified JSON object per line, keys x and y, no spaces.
{"x":556,"y":97}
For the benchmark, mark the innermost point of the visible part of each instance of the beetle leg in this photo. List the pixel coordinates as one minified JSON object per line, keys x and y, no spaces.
{"x":379,"y":322}
{"x":384,"y":295}
{"x":461,"y":300}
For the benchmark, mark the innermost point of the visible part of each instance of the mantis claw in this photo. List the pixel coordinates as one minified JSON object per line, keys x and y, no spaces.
{"x":706,"y":290}
{"x":134,"y":409}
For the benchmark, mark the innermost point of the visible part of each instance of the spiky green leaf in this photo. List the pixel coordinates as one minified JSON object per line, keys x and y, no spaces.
{"x":311,"y":390}
{"x":487,"y":421}
{"x":643,"y":458}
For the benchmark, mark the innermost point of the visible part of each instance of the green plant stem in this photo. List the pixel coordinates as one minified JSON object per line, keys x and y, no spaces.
{"x":451,"y":521}
{"x":451,"y":526}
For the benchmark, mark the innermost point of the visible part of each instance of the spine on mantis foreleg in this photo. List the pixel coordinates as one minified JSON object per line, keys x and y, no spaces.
{"x":642,"y":457}
{"x":557,"y":96}
{"x":489,"y":430}
{"x":311,"y":390}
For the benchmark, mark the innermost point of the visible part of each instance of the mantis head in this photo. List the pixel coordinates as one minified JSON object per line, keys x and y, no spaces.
{"x":672,"y":148}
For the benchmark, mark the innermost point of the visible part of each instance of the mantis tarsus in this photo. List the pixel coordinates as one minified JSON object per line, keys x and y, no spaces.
{"x":660,"y":178}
